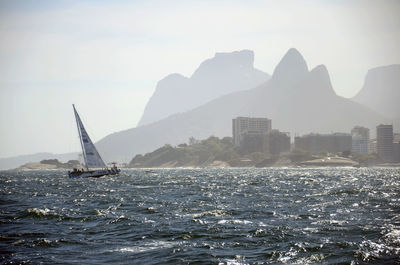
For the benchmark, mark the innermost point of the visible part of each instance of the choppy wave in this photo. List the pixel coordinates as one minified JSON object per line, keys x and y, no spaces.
{"x":39,"y":213}
{"x":148,"y":246}
{"x":211,"y":216}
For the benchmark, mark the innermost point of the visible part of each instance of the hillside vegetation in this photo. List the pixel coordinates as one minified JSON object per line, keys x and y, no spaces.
{"x":212,"y":152}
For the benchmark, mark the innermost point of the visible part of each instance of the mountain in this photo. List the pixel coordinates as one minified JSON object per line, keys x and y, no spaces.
{"x":14,"y":162}
{"x":381,"y":91}
{"x":220,"y":75}
{"x":296,"y":99}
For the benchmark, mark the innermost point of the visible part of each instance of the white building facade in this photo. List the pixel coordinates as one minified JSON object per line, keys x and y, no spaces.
{"x":360,"y":140}
{"x":245,"y":126}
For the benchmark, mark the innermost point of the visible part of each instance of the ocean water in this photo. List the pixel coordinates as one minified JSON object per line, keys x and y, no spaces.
{"x":202,"y":216}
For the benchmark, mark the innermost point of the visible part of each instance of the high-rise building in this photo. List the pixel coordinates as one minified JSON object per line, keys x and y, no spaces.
{"x":276,"y":142}
{"x":320,"y":143}
{"x":396,"y":148}
{"x":396,"y":152}
{"x":372,"y":147}
{"x":360,"y":140}
{"x":249,"y":127}
{"x":252,"y":143}
{"x":396,"y":137}
{"x":384,"y":142}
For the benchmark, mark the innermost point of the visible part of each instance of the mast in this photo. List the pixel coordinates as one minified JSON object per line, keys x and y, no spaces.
{"x":80,"y":135}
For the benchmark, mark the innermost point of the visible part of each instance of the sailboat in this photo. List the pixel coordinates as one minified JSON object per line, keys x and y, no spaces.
{"x":95,"y":166}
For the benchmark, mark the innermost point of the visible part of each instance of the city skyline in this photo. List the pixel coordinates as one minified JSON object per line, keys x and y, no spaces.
{"x":59,"y":53}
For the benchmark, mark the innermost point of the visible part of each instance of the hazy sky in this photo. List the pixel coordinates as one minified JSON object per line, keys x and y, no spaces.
{"x":107,"y":56}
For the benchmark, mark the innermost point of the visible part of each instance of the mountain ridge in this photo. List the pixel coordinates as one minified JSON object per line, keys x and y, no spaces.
{"x":287,"y":99}
{"x":381,"y":91}
{"x":222,"y":74}
{"x":306,"y":103}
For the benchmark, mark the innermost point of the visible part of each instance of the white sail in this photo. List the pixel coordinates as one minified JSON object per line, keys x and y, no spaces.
{"x":91,"y":156}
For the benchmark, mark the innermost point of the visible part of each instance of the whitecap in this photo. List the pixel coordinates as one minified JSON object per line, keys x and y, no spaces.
{"x":149,"y":246}
{"x":37,"y":211}
{"x":238,"y":260}
{"x":216,"y":213}
{"x":234,"y":221}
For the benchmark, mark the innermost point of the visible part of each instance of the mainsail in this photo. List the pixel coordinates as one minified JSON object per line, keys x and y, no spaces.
{"x":90,"y":154}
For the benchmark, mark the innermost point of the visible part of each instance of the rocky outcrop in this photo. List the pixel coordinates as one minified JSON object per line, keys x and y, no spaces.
{"x":220,"y":75}
{"x":381,"y":91}
{"x":50,"y":164}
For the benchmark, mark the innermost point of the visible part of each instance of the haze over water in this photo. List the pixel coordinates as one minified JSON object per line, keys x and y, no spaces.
{"x":108,"y":56}
{"x":202,"y":216}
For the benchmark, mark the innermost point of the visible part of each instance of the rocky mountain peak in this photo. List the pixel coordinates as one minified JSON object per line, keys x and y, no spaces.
{"x":220,"y":75}
{"x":223,"y":61}
{"x":381,"y":91}
{"x":319,"y":77}
{"x":291,"y":68}
{"x":170,"y":79}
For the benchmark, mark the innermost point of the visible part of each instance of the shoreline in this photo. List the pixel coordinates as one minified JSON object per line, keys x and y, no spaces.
{"x":313,"y":166}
